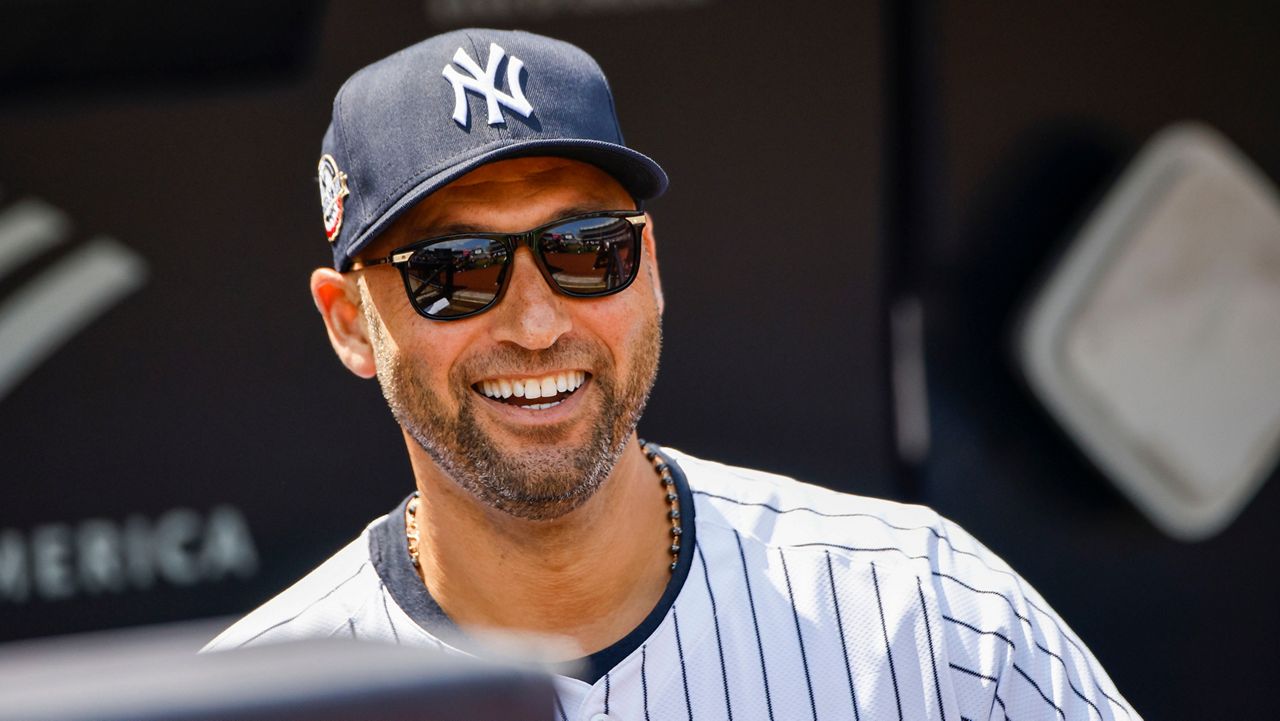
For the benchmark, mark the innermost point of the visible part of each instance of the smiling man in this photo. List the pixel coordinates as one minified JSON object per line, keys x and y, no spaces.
{"x":493,"y":270}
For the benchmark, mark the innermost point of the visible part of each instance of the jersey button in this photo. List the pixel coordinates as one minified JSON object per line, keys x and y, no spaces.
{"x":601,"y":717}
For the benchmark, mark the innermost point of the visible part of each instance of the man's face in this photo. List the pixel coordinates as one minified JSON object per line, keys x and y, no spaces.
{"x":532,"y":458}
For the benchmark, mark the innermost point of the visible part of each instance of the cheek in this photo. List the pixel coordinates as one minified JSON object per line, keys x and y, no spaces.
{"x":430,"y":347}
{"x":387,"y":292}
{"x":621,"y":322}
{"x":434,"y":352}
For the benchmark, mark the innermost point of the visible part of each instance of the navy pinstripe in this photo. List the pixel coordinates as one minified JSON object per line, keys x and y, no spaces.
{"x":684,"y":671}
{"x":888,"y":648}
{"x":973,"y":673}
{"x":795,"y":614}
{"x":382,"y":591}
{"x":1003,"y":709}
{"x":715,"y":621}
{"x":1036,"y":686}
{"x":933,"y":657}
{"x":755,"y":621}
{"x":606,"y":693}
{"x":644,"y":680}
{"x":844,"y":647}
{"x":560,"y":708}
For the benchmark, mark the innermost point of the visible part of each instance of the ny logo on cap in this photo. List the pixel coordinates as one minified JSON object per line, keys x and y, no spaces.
{"x":485,"y":82}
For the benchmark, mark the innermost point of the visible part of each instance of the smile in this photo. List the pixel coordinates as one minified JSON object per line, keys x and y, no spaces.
{"x":535,"y":393}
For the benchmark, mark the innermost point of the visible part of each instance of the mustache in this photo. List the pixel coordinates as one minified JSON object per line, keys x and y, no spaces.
{"x":510,"y":359}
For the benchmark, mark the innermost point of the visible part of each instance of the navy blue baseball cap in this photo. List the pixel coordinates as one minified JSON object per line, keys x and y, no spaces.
{"x":409,"y":124}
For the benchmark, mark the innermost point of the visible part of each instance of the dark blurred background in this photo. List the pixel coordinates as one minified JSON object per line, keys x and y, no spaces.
{"x":180,"y":442}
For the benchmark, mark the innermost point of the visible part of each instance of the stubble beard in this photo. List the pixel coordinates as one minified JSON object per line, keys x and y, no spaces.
{"x":548,"y":475}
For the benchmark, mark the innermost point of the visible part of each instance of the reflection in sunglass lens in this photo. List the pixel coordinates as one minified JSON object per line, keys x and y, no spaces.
{"x":456,"y":276}
{"x":590,"y":256}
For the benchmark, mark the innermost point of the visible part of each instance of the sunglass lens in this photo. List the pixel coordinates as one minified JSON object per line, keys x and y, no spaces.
{"x":455,"y":277}
{"x":591,"y":256}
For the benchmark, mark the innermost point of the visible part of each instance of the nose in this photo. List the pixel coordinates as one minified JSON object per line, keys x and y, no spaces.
{"x":531,"y":314}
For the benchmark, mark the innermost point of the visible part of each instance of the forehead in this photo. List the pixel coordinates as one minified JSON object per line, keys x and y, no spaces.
{"x":507,"y":196}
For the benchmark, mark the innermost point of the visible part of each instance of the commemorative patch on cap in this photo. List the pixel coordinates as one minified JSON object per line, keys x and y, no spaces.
{"x":333,"y":190}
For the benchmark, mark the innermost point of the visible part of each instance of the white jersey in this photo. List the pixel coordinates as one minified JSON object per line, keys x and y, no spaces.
{"x":790,"y":601}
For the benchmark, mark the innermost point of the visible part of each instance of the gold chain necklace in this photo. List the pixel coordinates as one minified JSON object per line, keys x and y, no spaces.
{"x":659,"y":466}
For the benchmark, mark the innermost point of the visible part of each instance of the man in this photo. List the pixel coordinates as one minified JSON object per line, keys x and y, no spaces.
{"x":493,"y":271}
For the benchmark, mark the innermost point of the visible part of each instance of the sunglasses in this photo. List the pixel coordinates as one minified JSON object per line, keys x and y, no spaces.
{"x":457,"y":276}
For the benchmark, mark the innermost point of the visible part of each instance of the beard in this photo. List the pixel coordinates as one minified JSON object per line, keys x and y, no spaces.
{"x":550,"y":470}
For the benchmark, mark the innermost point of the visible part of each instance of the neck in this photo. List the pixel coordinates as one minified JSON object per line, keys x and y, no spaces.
{"x":589,"y":576}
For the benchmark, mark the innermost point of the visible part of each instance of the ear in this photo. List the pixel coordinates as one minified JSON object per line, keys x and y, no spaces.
{"x":650,"y":250}
{"x":338,"y":301}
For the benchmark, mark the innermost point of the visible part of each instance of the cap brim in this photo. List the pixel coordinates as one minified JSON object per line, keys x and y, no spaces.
{"x":637,"y":173}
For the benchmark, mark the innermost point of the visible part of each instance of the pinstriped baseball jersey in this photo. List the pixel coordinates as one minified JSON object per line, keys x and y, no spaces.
{"x":790,"y":602}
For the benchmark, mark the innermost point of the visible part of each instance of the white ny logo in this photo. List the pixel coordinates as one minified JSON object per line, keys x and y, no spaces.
{"x":485,"y":82}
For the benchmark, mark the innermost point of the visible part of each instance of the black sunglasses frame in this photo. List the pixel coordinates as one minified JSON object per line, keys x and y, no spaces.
{"x":399,"y":258}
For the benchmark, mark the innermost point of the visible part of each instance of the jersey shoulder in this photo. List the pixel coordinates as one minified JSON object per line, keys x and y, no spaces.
{"x":782,"y":512}
{"x":320,"y":604}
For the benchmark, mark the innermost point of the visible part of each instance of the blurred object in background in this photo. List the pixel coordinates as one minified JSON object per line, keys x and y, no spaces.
{"x":1156,"y":340}
{"x":1041,"y":108}
{"x":70,"y":288}
{"x":154,"y":674}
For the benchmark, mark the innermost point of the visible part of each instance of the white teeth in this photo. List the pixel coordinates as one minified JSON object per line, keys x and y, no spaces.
{"x":542,"y":406}
{"x":544,"y":387}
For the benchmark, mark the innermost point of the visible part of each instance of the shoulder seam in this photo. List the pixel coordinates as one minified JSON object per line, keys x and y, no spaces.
{"x":308,"y":607}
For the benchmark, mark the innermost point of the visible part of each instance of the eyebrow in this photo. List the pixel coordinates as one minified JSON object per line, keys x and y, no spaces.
{"x":434,"y":231}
